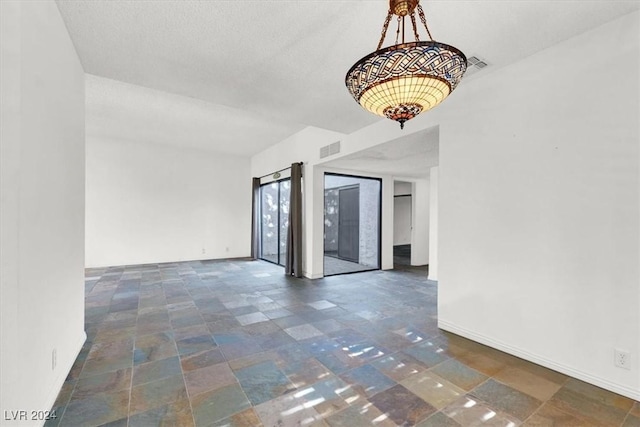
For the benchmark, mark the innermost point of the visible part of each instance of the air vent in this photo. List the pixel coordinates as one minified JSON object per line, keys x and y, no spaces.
{"x":330,"y":150}
{"x":475,"y":64}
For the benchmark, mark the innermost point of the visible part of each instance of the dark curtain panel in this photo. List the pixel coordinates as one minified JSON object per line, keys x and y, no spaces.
{"x":293,"y":266}
{"x":255,"y":219}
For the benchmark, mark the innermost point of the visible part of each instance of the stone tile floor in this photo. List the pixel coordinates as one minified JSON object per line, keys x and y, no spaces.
{"x":236,"y":343}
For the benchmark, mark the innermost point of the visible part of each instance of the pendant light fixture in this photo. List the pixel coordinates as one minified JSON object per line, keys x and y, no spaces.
{"x":401,"y":81}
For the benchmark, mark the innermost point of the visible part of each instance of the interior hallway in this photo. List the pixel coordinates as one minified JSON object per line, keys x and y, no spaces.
{"x":237,"y":343}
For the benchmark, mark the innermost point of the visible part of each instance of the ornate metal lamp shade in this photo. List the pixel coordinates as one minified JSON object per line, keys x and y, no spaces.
{"x":401,"y":81}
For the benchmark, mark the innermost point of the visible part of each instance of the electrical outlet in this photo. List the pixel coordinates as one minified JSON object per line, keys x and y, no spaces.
{"x":54,"y":359}
{"x":622,"y":358}
{"x":204,"y":251}
{"x":226,"y":249}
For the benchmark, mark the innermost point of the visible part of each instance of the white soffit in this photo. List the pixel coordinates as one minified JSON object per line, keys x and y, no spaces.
{"x":409,"y":156}
{"x":117,"y":110}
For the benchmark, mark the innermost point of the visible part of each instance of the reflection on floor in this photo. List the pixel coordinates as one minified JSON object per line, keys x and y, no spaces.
{"x":333,"y":265}
{"x":239,"y":344}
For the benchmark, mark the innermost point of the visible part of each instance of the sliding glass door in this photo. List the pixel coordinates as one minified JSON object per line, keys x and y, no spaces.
{"x":351,"y":223}
{"x":274,"y":224}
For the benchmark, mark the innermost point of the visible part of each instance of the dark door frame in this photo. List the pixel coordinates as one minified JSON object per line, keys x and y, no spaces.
{"x":379,"y":217}
{"x":279,"y":181}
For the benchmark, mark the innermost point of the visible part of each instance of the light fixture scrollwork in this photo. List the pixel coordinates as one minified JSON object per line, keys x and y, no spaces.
{"x":405,"y":79}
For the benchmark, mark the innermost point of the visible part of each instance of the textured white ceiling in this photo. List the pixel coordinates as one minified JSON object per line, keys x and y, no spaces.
{"x":285,"y":61}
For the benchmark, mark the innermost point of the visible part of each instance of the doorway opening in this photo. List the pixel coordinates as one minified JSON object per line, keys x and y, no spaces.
{"x":402,"y":223}
{"x":274,"y":223}
{"x":352,"y":226}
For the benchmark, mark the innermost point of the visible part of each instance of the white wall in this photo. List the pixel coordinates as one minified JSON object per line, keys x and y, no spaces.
{"x":153,"y":203}
{"x":401,"y":188}
{"x":433,"y":223}
{"x":539,"y":203}
{"x":303,"y":146}
{"x":42,"y":209}
{"x":401,"y":220}
{"x":401,"y":213}
{"x":386,"y":255}
{"x":420,"y":223}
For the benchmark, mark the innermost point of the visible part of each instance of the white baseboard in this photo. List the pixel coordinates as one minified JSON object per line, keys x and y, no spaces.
{"x":55,"y":390}
{"x":523,"y":354}
{"x":312,"y":276}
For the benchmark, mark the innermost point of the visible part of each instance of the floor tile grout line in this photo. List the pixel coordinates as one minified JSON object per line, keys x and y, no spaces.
{"x":533,"y":413}
{"x":133,"y":354}
{"x":64,"y":410}
{"x":184,"y":379}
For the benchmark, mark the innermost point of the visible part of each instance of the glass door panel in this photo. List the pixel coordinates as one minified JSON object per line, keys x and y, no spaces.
{"x":274,"y":226}
{"x":285,"y":193}
{"x":269,"y":224}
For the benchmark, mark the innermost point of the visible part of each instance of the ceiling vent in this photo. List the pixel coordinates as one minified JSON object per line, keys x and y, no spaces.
{"x":330,"y":150}
{"x":475,"y":64}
